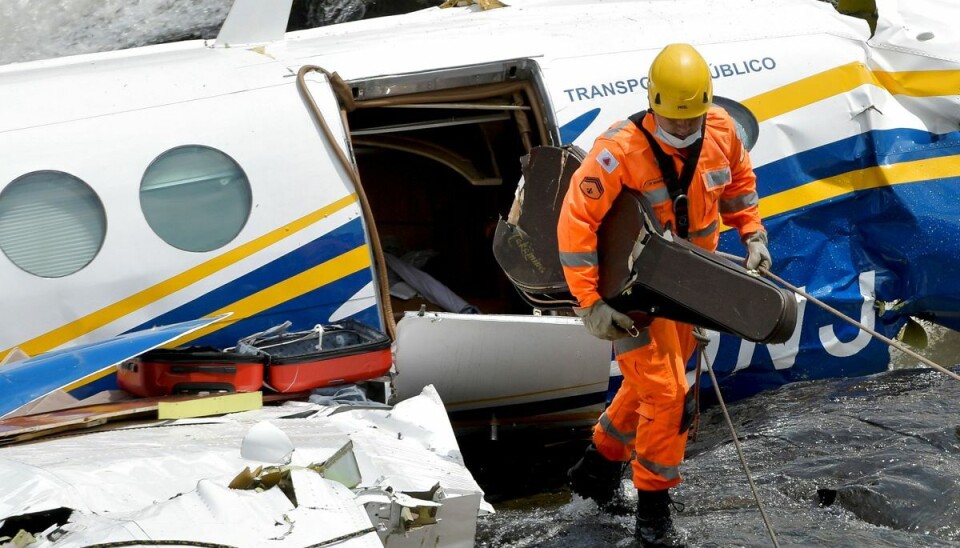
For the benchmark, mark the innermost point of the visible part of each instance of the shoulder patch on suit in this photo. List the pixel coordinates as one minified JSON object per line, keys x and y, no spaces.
{"x":607,"y":161}
{"x":591,"y":188}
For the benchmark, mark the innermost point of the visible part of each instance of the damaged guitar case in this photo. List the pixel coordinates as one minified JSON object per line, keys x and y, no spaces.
{"x":644,"y":270}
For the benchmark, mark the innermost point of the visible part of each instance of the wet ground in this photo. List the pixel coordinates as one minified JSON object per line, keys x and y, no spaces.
{"x":872,"y":461}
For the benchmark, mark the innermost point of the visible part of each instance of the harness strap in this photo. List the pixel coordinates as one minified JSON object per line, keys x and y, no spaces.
{"x":677,"y":186}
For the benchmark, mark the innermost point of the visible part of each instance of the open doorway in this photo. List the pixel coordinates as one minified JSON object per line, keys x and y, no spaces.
{"x":439,"y":168}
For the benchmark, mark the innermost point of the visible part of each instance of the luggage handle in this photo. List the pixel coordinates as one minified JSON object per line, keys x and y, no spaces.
{"x":226,"y":369}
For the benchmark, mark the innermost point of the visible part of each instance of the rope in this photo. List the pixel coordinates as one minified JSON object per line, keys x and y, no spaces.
{"x":147,"y":542}
{"x":849,"y":320}
{"x":702,"y":343}
{"x":846,"y":318}
{"x":342,"y":538}
{"x":702,"y":339}
{"x":383,"y":285}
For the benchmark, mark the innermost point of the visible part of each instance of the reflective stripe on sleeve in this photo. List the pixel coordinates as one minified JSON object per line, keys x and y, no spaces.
{"x":577,"y":259}
{"x":738,"y":203}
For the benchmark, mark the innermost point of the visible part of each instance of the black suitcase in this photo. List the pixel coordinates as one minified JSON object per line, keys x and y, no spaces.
{"x":658,"y":275}
{"x":643,"y":270}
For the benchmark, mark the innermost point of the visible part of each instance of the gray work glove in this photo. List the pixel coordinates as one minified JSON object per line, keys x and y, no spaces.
{"x":758,"y":256}
{"x":603,"y":322}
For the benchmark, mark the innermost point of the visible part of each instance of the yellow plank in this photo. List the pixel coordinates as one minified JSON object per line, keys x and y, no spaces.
{"x":214,"y":405}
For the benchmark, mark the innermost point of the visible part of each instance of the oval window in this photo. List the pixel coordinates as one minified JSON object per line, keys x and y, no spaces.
{"x":52,"y":224}
{"x":747,"y":126}
{"x":195,"y":198}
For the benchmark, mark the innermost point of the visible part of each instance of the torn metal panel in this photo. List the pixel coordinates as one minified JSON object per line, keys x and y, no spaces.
{"x":173,"y":482}
{"x":525,"y":245}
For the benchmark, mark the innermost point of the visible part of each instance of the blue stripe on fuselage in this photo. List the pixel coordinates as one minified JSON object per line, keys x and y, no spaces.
{"x":304,"y":311}
{"x":574,"y":128}
{"x":862,"y":151}
{"x":336,"y":242}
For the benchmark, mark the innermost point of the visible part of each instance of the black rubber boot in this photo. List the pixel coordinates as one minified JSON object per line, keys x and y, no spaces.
{"x":654,"y":525}
{"x":595,"y":477}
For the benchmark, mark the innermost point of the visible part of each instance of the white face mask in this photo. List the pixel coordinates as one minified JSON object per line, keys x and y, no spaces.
{"x":674,"y":141}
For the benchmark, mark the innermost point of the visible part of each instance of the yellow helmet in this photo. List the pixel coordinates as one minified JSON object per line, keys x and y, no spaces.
{"x":679,"y":84}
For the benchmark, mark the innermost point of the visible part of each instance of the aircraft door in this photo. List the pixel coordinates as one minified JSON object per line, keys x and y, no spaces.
{"x":316,"y":85}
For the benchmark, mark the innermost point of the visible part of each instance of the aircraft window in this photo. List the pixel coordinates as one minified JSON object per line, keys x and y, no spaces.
{"x":195,"y":198}
{"x":747,"y":126}
{"x":52,"y":224}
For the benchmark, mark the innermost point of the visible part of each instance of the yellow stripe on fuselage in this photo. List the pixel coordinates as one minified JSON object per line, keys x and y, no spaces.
{"x":844,"y":78}
{"x":836,"y":81}
{"x":861,"y":179}
{"x":920,"y":83}
{"x":293,"y":287}
{"x":301,"y":284}
{"x":89,"y":379}
{"x":115,"y":311}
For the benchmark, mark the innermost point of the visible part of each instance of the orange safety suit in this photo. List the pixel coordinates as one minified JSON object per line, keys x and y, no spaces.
{"x":646,"y":412}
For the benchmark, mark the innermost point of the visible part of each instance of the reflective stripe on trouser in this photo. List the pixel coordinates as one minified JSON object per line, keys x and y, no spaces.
{"x":648,"y":407}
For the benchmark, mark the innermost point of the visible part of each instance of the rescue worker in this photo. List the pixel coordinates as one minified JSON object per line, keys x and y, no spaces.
{"x":703,"y":176}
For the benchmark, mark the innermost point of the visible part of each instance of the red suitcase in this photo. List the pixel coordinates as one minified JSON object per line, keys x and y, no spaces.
{"x":349,"y":352}
{"x":190,"y":371}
